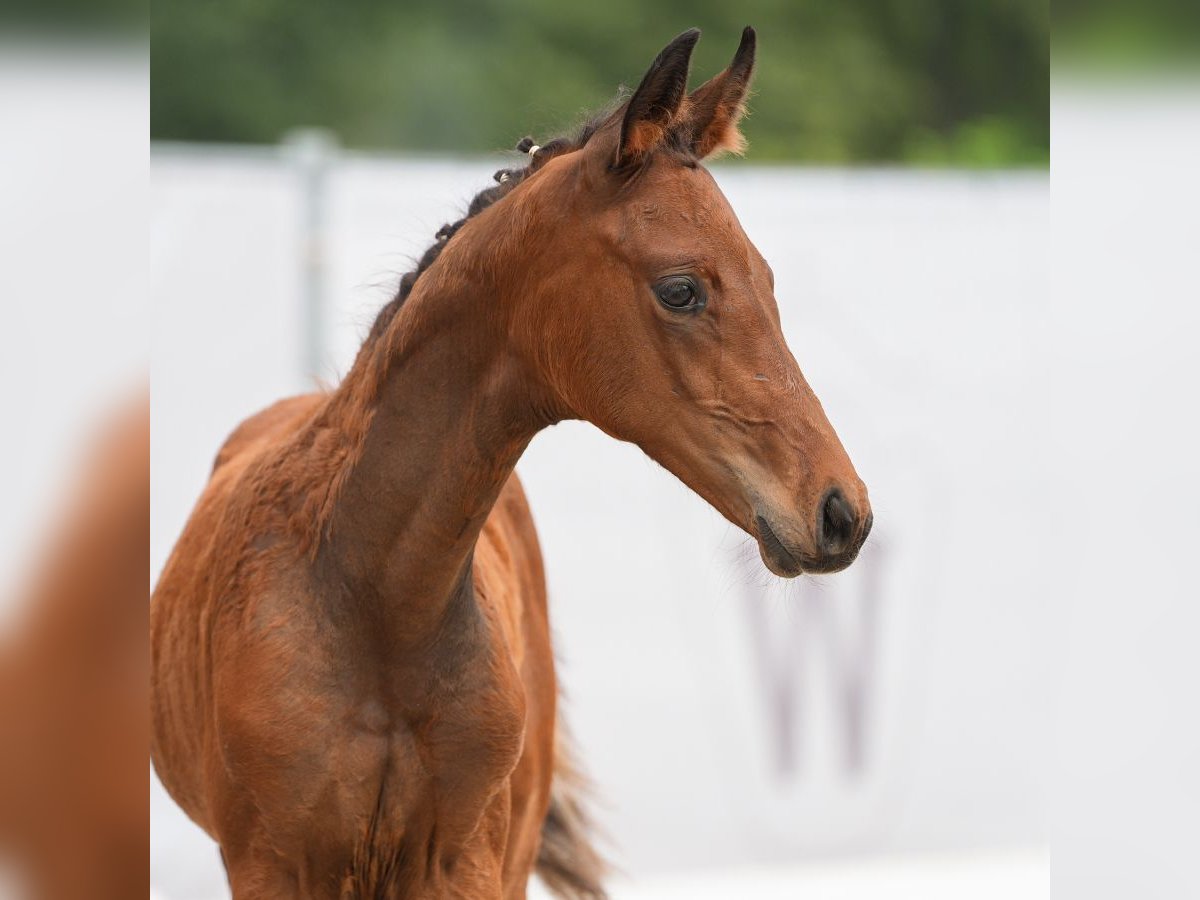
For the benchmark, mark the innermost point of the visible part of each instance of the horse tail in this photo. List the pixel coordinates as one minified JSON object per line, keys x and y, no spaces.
{"x":568,"y":862}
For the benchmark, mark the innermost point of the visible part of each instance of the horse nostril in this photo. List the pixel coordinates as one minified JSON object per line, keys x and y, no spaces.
{"x":836,"y":531}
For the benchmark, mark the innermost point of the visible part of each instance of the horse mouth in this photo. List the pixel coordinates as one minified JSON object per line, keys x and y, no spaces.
{"x":774,"y":554}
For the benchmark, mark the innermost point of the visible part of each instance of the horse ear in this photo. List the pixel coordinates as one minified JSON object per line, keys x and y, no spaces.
{"x":716,"y":107}
{"x":656,"y":102}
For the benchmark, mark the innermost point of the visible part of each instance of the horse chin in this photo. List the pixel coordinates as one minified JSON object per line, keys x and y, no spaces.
{"x":775,"y":555}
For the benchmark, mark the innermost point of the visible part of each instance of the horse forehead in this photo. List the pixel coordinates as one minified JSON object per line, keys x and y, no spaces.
{"x":685,"y":202}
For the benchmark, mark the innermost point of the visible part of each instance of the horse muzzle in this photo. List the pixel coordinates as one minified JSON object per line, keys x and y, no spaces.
{"x":830,"y":544}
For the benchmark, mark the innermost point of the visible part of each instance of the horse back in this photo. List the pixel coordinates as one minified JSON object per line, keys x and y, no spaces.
{"x":267,"y":426}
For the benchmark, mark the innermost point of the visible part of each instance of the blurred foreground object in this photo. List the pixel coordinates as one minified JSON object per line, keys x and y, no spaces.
{"x":75,"y":519}
{"x":74,"y":687}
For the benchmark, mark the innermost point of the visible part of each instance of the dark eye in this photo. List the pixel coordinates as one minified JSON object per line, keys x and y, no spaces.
{"x":680,"y":292}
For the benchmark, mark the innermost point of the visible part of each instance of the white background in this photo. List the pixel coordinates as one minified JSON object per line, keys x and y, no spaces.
{"x":910,"y":301}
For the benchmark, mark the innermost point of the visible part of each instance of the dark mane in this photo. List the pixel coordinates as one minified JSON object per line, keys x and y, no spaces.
{"x":506,"y":180}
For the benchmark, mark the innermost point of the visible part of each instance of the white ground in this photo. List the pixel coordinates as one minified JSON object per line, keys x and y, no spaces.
{"x":980,"y":876}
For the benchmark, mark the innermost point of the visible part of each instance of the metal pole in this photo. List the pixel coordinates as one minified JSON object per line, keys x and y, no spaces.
{"x":312,"y":152}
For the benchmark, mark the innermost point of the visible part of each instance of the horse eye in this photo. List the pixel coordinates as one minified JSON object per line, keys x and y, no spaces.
{"x":678,"y":293}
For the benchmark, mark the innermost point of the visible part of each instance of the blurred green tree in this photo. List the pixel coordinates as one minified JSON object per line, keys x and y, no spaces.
{"x":960,"y":82}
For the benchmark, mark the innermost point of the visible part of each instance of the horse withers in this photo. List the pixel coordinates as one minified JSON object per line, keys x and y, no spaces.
{"x":353,"y":679}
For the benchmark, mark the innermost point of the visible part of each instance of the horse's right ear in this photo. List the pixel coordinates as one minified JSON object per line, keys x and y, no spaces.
{"x":656,"y":102}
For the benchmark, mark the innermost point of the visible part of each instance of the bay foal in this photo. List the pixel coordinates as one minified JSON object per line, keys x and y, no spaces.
{"x":353,"y":683}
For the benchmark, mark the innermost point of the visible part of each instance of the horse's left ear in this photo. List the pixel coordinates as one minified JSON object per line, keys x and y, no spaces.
{"x":716,"y":107}
{"x":656,"y":103}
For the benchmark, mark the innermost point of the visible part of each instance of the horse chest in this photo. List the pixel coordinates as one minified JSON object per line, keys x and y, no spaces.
{"x":400,"y":758}
{"x":434,"y":790}
{"x":429,"y":746}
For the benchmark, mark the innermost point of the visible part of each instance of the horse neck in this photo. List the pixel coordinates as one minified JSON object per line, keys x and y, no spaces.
{"x":443,"y":414}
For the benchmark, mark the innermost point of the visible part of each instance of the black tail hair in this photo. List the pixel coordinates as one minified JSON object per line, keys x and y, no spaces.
{"x":568,"y":862}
